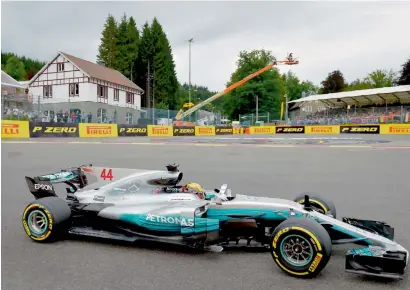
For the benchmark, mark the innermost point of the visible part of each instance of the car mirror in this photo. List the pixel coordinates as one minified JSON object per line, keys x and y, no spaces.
{"x":218,"y":200}
{"x":224,"y":187}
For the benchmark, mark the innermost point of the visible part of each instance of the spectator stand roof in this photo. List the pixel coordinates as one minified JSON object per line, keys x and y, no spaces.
{"x":379,"y":96}
{"x":8,"y":81}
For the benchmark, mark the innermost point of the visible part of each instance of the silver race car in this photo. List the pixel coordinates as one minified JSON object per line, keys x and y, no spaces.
{"x":133,"y":204}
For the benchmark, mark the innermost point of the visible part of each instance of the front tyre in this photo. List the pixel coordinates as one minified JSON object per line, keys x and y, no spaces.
{"x":46,"y":218}
{"x":301,"y":247}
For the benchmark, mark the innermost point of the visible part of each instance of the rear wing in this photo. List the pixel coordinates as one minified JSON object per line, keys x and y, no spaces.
{"x":43,"y":185}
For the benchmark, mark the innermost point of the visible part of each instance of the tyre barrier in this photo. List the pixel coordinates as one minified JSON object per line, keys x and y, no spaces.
{"x":26,"y":129}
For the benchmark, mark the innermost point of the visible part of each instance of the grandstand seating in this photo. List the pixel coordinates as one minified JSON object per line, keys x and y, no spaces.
{"x":370,"y":115}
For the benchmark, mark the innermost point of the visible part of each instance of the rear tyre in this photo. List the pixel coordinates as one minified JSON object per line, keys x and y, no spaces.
{"x":318,"y":203}
{"x":46,"y":219}
{"x":301,"y":247}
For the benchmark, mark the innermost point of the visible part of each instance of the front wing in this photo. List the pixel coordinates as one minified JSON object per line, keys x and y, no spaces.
{"x":382,"y":257}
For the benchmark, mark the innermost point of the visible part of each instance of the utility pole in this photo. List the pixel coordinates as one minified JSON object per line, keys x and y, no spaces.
{"x":148,"y":95}
{"x":286,"y":109}
{"x":189,"y":90}
{"x":153,"y":98}
{"x":257,"y":109}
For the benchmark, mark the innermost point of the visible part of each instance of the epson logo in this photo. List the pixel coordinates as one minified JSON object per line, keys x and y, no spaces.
{"x":43,"y":187}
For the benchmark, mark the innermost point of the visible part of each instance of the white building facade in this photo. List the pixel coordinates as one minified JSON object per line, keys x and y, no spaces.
{"x":69,"y":80}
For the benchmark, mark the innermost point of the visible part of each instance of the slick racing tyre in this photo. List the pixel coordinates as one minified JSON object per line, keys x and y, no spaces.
{"x":301,"y":247}
{"x":318,"y":203}
{"x":45,"y":219}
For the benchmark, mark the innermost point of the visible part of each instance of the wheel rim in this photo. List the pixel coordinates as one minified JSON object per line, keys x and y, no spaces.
{"x":37,"y":222}
{"x":318,"y":208}
{"x":296,"y":250}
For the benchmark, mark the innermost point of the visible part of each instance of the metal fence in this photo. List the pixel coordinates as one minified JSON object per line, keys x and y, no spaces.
{"x":25,"y":107}
{"x":156,"y":116}
{"x":259,"y":119}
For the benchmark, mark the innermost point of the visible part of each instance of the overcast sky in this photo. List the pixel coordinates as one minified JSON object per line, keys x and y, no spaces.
{"x":353,"y":37}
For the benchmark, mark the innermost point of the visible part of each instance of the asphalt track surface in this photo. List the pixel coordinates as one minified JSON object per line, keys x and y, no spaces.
{"x":363,"y":182}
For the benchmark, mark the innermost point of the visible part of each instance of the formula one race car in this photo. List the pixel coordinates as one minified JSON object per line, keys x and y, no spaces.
{"x":132,"y":204}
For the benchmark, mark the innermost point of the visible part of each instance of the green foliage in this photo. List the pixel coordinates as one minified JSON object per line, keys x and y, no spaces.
{"x":121,"y":46}
{"x":381,"y":78}
{"x":334,"y":83}
{"x":20,"y":68}
{"x":358,"y":85}
{"x":268,"y":86}
{"x":295,"y":88}
{"x":127,"y":41}
{"x":133,"y":38}
{"x":15,"y":68}
{"x":165,"y":80}
{"x":144,"y":58}
{"x":376,"y":79}
{"x":108,"y":51}
{"x":404,"y":78}
{"x":198,"y":94}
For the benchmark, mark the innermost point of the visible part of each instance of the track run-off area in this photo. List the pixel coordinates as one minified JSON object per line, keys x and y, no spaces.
{"x":365,"y":176}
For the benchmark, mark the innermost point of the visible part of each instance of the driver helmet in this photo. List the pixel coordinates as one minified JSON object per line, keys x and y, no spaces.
{"x":194,"y":188}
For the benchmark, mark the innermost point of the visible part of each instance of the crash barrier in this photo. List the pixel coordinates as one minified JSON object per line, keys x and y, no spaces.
{"x":26,"y":129}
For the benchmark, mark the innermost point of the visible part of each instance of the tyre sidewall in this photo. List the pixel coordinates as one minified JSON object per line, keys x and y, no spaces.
{"x":58,"y":216}
{"x":320,"y":253}
{"x":49,"y":232}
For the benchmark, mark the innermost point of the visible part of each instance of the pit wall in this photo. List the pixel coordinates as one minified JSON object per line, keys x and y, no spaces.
{"x":25,"y":129}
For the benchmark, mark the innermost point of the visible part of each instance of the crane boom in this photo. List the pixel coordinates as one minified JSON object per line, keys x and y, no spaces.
{"x":233,"y":86}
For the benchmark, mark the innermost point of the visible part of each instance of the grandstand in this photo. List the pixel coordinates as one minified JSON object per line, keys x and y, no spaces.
{"x":373,"y":106}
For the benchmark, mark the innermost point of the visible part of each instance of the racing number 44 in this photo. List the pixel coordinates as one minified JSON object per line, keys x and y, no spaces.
{"x":106,"y":174}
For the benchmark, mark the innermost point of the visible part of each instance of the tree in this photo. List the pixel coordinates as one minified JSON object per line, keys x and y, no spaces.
{"x":334,"y":83}
{"x":165,"y":80}
{"x":133,"y":38}
{"x":268,"y":86}
{"x":15,"y":68}
{"x":381,"y":78}
{"x":199,"y":94}
{"x":358,"y":85}
{"x":107,"y":51}
{"x":121,"y":47}
{"x":404,"y":78}
{"x":31,"y":66}
{"x":295,"y":88}
{"x":146,"y":49}
{"x":309,"y":88}
{"x":376,"y":79}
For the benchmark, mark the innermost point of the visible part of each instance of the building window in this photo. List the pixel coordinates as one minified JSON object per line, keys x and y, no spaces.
{"x":102,"y":94}
{"x":129,"y":118}
{"x":116,"y":95}
{"x":74,"y":90}
{"x":60,"y":66}
{"x":47,"y":91}
{"x":101,"y":115}
{"x":130,"y":98}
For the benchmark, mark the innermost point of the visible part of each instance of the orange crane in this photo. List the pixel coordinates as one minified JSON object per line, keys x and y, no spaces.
{"x":288,"y":61}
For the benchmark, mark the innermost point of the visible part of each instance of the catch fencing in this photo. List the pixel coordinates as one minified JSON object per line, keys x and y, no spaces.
{"x":35,"y":109}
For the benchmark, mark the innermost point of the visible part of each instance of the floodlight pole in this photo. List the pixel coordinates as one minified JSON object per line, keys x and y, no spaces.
{"x":189,"y":91}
